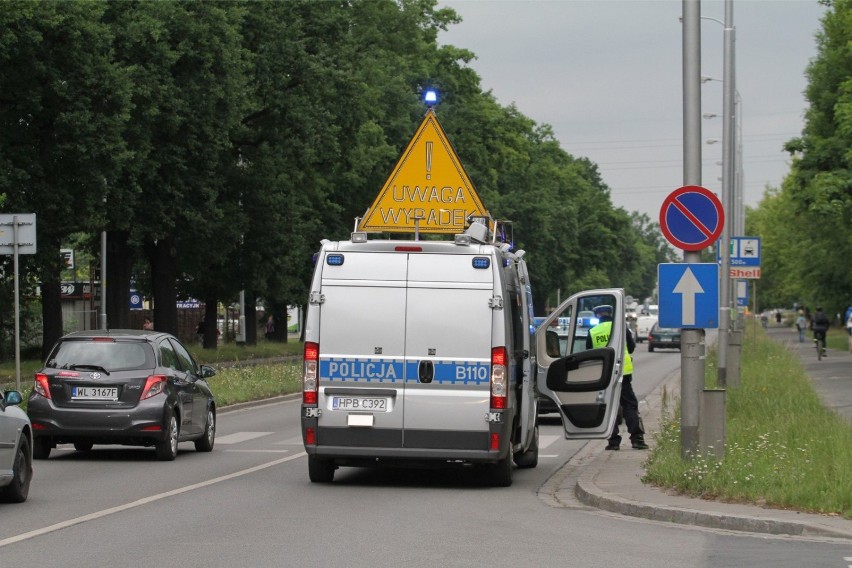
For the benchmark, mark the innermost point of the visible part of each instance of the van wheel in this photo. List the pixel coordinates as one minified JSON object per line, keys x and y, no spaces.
{"x":500,"y":473}
{"x":320,"y":470}
{"x":529,"y":458}
{"x":83,"y":446}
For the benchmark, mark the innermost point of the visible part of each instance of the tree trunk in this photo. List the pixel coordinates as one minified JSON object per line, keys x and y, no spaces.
{"x":51,"y":308}
{"x":119,"y":270}
{"x":211,"y":316}
{"x":250,"y":331}
{"x":163,"y":258}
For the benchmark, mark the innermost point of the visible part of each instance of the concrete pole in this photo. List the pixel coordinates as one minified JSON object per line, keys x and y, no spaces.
{"x":692,"y":340}
{"x":728,"y":153}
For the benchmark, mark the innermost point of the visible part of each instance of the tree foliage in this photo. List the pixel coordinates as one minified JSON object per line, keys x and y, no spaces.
{"x":807,"y":236}
{"x":217,"y":143}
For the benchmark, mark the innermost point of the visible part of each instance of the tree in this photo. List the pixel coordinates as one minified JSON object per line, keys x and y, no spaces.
{"x":63,"y":109}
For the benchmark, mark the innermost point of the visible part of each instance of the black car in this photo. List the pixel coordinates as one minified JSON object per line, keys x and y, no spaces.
{"x":130,"y":387}
{"x":663,"y":338}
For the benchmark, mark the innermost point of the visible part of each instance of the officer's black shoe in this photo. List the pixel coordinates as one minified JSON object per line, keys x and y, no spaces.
{"x":612,"y":446}
{"x":640,"y":445}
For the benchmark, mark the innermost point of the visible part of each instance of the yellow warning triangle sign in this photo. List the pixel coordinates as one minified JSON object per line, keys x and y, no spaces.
{"x":427,"y":191}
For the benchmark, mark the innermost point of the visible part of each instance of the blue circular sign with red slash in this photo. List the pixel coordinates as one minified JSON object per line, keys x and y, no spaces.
{"x":692,"y":218}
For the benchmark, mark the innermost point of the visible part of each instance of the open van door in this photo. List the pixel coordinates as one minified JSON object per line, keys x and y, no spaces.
{"x":583,"y":383}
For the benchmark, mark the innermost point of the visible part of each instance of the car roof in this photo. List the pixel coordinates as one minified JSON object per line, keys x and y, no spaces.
{"x":115,"y":333}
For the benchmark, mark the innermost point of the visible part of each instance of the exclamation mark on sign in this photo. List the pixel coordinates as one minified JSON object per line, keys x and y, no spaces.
{"x":428,"y":160}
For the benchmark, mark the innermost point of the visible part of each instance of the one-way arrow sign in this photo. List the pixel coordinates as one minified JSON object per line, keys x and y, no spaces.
{"x":689,"y":295}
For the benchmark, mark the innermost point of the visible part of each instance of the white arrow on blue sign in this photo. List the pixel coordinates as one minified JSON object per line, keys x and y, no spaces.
{"x":689,"y":295}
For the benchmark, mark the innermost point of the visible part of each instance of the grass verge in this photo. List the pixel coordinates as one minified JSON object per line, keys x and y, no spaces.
{"x":784,"y":448}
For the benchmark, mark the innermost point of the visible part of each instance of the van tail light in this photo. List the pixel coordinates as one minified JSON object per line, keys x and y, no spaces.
{"x":154,"y":385}
{"x":499,"y":388}
{"x":309,"y":373}
{"x":41,"y":385}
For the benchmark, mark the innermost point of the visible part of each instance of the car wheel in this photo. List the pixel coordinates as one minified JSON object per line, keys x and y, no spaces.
{"x":22,"y":473}
{"x":529,"y":458}
{"x":320,"y":470}
{"x":205,"y":442}
{"x":167,"y":449}
{"x":41,"y":448}
{"x":83,"y":446}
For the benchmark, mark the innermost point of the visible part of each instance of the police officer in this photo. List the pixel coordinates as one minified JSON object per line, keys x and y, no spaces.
{"x":629,"y":405}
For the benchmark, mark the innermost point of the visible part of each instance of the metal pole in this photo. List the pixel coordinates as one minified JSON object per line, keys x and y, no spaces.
{"x":103,"y":322}
{"x":692,"y":340}
{"x":17,"y":305}
{"x":727,"y":195}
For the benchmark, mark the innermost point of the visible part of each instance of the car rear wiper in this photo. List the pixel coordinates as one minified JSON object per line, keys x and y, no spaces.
{"x":92,"y":367}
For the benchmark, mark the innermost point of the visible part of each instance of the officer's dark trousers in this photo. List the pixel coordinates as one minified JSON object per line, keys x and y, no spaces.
{"x":630,"y":411}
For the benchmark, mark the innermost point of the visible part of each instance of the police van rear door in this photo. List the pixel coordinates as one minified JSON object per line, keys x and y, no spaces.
{"x":362,"y":326}
{"x":448,"y":349}
{"x":584,"y":384}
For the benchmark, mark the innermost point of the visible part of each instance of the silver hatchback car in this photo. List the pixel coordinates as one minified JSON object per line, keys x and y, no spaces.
{"x":130,"y":387}
{"x":16,"y":442}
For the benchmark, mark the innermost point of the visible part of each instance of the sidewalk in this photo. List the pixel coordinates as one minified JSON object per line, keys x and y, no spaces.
{"x":612,"y":480}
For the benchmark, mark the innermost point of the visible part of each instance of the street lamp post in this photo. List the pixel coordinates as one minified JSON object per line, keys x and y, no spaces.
{"x":728,"y":155}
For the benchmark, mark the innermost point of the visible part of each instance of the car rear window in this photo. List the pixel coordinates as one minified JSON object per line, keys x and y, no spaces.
{"x":112,"y":356}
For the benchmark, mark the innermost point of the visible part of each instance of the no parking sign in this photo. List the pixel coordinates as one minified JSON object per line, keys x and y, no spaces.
{"x":692,"y":218}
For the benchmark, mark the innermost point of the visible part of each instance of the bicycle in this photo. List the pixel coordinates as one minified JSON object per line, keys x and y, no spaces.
{"x":819,"y":343}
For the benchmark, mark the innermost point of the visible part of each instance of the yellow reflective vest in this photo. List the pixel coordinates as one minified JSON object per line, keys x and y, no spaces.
{"x":600,"y":338}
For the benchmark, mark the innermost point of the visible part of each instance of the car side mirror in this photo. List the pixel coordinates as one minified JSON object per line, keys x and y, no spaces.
{"x":207,"y":371}
{"x":13,"y":397}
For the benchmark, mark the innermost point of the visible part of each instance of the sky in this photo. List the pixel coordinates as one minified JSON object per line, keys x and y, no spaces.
{"x":607,"y":76}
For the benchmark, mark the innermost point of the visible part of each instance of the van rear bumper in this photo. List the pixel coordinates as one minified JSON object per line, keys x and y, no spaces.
{"x":352,"y":444}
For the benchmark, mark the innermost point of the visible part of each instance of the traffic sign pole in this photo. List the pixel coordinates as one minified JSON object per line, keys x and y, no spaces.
{"x":692,"y":340}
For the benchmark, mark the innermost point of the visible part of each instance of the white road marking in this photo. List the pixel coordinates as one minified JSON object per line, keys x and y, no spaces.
{"x":294,"y":441}
{"x":144,"y":501}
{"x":259,"y":451}
{"x":238,"y":437}
{"x":545,"y":441}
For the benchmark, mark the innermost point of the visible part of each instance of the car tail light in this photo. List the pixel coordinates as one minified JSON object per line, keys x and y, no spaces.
{"x":310,"y":437}
{"x":309,"y":373}
{"x":495,"y":441}
{"x":499,"y":388}
{"x":41,"y":385}
{"x":154,"y":385}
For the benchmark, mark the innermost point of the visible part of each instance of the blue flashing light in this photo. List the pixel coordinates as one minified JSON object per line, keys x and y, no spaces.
{"x":334,"y":259}
{"x":481,"y":262}
{"x":430,"y":97}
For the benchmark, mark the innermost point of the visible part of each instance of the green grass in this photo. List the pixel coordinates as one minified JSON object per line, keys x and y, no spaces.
{"x":784,"y":448}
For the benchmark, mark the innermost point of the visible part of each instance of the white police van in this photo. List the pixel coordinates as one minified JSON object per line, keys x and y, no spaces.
{"x":425,"y":352}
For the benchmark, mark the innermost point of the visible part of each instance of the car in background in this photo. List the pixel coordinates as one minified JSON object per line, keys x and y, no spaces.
{"x":16,"y":443}
{"x":129,"y":387}
{"x":644,"y":324}
{"x":663,"y":338}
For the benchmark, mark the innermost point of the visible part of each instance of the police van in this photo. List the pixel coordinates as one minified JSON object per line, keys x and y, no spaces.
{"x":426,"y":353}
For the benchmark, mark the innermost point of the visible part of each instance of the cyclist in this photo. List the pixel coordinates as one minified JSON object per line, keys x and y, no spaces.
{"x":819,"y":325}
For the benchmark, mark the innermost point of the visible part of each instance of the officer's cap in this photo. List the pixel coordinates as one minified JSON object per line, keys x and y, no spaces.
{"x":602,"y":311}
